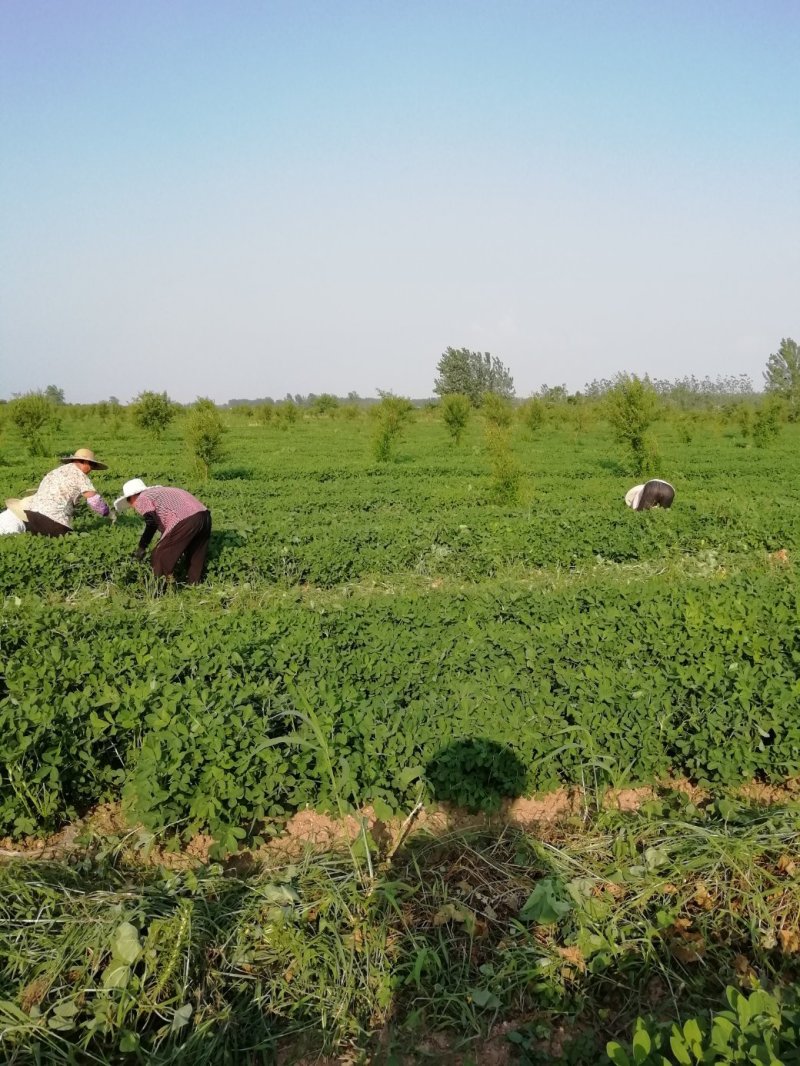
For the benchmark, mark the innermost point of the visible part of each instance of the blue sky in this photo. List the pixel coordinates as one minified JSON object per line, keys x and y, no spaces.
{"x":244,"y":199}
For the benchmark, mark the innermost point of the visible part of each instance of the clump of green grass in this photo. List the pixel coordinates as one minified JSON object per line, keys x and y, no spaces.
{"x":587,"y":926}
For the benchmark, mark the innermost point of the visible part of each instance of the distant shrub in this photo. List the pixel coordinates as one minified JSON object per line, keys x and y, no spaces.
{"x":532,"y":414}
{"x":325,"y":404}
{"x":204,"y":432}
{"x":287,"y":413}
{"x":456,"y":409}
{"x":391,"y":415}
{"x":685,"y":427}
{"x":496,"y":410}
{"x":506,"y":472}
{"x":32,"y":415}
{"x":743,"y":417}
{"x":767,"y":422}
{"x":265,"y":412}
{"x":631,"y":407}
{"x":153,"y":412}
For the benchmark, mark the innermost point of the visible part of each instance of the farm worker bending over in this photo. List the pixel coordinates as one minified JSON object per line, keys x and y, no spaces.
{"x":13,"y":519}
{"x":184,"y":524}
{"x":50,"y":511}
{"x":653,"y":493}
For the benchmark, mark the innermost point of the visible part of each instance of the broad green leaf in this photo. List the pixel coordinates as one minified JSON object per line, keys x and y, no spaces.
{"x":545,"y":905}
{"x":383,"y":812}
{"x":483,"y":997}
{"x":617,"y":1054}
{"x":679,"y":1050}
{"x":129,"y":1043}
{"x":125,"y":943}
{"x":116,"y":974}
{"x":641,"y":1044}
{"x":181,"y":1017}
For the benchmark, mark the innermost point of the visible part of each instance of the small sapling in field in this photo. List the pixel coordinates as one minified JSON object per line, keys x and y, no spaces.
{"x":456,"y":410}
{"x":631,"y":406}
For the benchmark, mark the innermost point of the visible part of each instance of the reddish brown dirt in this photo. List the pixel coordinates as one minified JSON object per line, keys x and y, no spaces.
{"x":321,"y":832}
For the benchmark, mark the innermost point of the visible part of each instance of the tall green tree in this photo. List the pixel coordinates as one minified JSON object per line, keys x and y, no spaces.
{"x":782,"y":376}
{"x":473,"y":374}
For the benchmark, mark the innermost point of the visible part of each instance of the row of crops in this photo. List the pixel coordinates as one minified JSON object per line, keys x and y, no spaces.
{"x":309,"y":506}
{"x":211,"y":720}
{"x":331,"y":549}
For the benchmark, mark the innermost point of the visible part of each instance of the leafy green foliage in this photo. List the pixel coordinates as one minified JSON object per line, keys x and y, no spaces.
{"x":631,"y":407}
{"x":782,"y":375}
{"x":496,"y":410}
{"x":32,"y":415}
{"x":506,"y":471}
{"x":204,"y":433}
{"x":324,"y":404}
{"x":287,"y":413}
{"x":759,"y":1029}
{"x":532,"y":413}
{"x":767,"y":422}
{"x":153,"y":412}
{"x":456,"y":408}
{"x":472,"y":374}
{"x":214,"y":722}
{"x":390,"y":416}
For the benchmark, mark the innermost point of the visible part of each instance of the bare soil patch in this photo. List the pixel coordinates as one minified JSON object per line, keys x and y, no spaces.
{"x":309,"y":829}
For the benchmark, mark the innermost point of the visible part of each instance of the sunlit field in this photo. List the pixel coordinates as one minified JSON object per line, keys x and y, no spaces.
{"x":412,"y":648}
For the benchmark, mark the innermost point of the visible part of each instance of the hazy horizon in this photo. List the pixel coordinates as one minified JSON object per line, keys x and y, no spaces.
{"x":256,"y":199}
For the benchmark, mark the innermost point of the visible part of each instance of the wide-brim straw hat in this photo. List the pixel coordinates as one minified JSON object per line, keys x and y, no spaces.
{"x":19,"y":507}
{"x":130,"y":488}
{"x":84,"y":455}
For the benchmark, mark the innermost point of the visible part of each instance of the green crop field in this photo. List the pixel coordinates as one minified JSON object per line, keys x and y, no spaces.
{"x":376,"y":634}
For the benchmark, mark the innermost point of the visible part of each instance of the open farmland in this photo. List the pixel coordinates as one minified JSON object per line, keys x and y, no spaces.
{"x":372,"y":635}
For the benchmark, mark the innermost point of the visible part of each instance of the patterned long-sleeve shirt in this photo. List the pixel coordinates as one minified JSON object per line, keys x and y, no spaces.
{"x":58,"y":493}
{"x":162,"y":508}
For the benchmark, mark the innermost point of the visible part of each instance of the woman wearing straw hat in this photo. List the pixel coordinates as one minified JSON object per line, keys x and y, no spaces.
{"x":50,"y":511}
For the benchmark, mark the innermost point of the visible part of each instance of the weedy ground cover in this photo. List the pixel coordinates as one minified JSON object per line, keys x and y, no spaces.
{"x":582,"y":930}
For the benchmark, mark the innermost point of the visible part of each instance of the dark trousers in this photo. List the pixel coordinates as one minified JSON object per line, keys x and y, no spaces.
{"x":43,"y":526}
{"x":656,"y":494}
{"x":189,"y":537}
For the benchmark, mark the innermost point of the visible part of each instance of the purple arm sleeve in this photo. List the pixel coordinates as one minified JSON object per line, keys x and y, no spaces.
{"x":98,"y":504}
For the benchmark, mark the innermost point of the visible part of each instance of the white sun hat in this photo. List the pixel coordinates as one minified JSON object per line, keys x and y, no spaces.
{"x":130,"y":488}
{"x":632,"y":495}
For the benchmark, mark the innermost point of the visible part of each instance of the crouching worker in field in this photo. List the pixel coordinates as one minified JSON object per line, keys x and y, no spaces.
{"x":49,"y":512}
{"x":182,"y":520}
{"x":13,"y":519}
{"x":653,"y":493}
